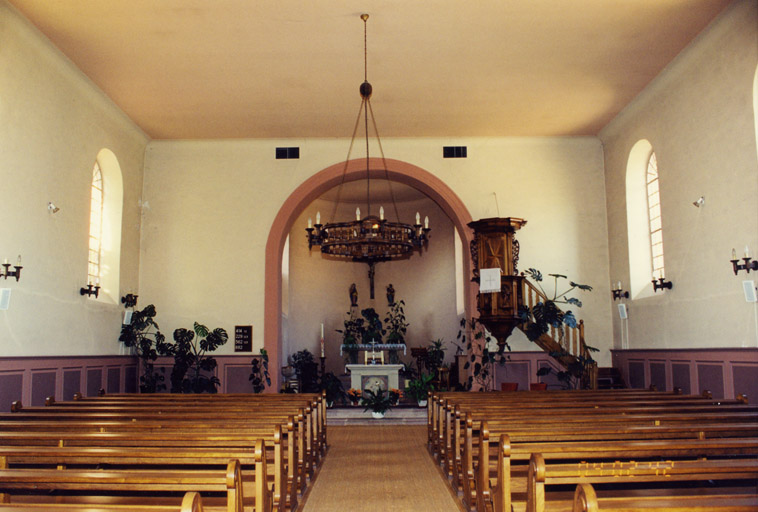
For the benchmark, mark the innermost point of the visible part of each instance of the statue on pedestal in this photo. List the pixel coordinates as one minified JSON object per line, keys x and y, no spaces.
{"x":390,"y":295}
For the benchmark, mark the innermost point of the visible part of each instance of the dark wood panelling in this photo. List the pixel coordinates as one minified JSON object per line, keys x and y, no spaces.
{"x":72,"y":383}
{"x":11,"y":385}
{"x":130,"y":379}
{"x":711,"y":377}
{"x":237,"y":379}
{"x":637,"y":374}
{"x":114,"y":380}
{"x":94,"y":381}
{"x":746,"y":381}
{"x":680,"y":373}
{"x":658,"y":375}
{"x":43,"y":386}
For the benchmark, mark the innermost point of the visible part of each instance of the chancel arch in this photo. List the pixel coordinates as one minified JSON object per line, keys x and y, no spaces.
{"x":397,"y":171}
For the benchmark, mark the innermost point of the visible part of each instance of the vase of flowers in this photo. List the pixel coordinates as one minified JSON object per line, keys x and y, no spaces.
{"x":354,"y":395}
{"x":395,"y":396}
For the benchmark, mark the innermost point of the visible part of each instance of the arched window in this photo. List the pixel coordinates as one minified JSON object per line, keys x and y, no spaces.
{"x":643,"y":214}
{"x":95,"y":226}
{"x":654,"y":217}
{"x":106,"y":210}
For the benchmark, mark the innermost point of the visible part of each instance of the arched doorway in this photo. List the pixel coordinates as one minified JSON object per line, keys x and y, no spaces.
{"x":316,"y":185}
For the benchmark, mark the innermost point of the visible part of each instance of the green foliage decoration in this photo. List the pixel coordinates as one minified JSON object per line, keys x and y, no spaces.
{"x":193,"y":367}
{"x":378,"y":401}
{"x":259,"y":377}
{"x":481,"y":360}
{"x":144,"y":336}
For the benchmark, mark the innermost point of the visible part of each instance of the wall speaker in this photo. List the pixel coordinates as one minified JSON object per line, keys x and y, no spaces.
{"x":622,"y":311}
{"x":5,"y":298}
{"x":750,"y":292}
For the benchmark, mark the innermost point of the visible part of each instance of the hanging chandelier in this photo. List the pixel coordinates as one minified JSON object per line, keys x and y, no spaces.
{"x":370,"y":239}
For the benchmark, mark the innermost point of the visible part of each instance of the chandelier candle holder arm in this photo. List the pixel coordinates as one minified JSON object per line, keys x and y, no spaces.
{"x":6,"y":272}
{"x":369,"y":239}
{"x":748,"y":265}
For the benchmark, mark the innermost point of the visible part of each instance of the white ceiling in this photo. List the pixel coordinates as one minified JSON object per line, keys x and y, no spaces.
{"x":204,"y":69}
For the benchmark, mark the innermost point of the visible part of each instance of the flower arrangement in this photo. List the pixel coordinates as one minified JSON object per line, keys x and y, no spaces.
{"x":378,"y":402}
{"x":354,"y":395}
{"x":395,"y":395}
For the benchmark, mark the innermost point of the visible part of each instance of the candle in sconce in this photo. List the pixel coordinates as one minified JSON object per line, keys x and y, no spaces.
{"x":747,"y":251}
{"x":18,"y":261}
{"x":734,"y":254}
{"x":618,"y":285}
{"x":310,"y":223}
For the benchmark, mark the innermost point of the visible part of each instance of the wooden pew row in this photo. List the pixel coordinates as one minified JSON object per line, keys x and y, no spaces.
{"x":463,"y":434}
{"x":111,"y":487}
{"x":507,"y":485}
{"x":200,"y":416}
{"x":625,"y":478}
{"x":284,"y":479}
{"x":287,"y":454}
{"x":250,"y":462}
{"x":586,"y":500}
{"x":491,"y":405}
{"x":192,"y":502}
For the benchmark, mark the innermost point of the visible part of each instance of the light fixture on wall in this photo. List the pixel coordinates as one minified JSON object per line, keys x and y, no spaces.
{"x":6,"y":272}
{"x":661,"y":284}
{"x":618,"y":293}
{"x":129,"y":300}
{"x":91,"y":290}
{"x":750,"y":264}
{"x":52,"y":208}
{"x":699,"y":202}
{"x":370,"y":239}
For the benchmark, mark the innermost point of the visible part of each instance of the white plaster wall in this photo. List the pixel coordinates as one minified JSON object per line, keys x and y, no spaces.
{"x":212,"y":203}
{"x":54,"y":123}
{"x":698,"y":116}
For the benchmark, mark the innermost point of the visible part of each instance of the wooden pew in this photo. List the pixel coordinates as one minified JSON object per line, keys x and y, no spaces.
{"x":192,"y":502}
{"x":510,"y":479}
{"x":586,"y":500}
{"x":663,"y":474}
{"x":36,"y":484}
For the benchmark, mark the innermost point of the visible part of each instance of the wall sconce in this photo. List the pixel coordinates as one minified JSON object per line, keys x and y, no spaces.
{"x":662,"y":284}
{"x":618,"y":293}
{"x":129,"y":300}
{"x":749,"y":264}
{"x":700,"y":201}
{"x":6,"y":272}
{"x":90,"y":290}
{"x":52,"y":208}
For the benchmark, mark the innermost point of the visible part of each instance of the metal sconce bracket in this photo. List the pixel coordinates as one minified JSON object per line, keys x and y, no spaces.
{"x":619,"y":294}
{"x":129,"y":300}
{"x":750,"y":264}
{"x":6,"y":272}
{"x":90,"y":290}
{"x":662,"y":284}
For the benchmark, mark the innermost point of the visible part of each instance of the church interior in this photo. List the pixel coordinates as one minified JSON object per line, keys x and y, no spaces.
{"x":192,"y":164}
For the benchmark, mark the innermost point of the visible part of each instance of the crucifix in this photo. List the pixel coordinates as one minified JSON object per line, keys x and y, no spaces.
{"x":371,"y":273}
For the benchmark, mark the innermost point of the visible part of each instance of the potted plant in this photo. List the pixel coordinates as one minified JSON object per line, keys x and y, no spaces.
{"x":396,"y":326}
{"x":395,"y":396}
{"x":351,"y":335}
{"x":190,"y":352}
{"x":372,"y":327}
{"x":332,"y":385}
{"x":418,"y":389}
{"x":307,"y":371}
{"x":435,"y":356}
{"x":483,"y":354}
{"x":259,"y":377}
{"x":378,"y":402}
{"x":144,"y":336}
{"x":354,"y":395}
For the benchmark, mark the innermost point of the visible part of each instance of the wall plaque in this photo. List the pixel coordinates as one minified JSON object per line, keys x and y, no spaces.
{"x":243,"y":338}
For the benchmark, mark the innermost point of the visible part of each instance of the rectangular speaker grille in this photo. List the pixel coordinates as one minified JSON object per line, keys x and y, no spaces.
{"x":454,"y":151}
{"x":288,"y":153}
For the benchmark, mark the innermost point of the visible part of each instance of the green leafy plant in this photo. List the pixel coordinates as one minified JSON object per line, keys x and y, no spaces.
{"x":259,"y":377}
{"x":396,"y":326}
{"x":144,"y":337}
{"x":351,"y":333}
{"x":193,"y":367}
{"x":379,"y":401}
{"x":435,"y":356}
{"x":481,"y":359}
{"x":306,"y":369}
{"x":546,"y":314}
{"x":372,"y":327}
{"x":333,"y":387}
{"x":419,"y":388}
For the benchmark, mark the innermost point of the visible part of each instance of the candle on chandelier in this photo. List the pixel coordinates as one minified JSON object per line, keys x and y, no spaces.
{"x":418,"y":218}
{"x":357,"y":214}
{"x":318,"y":217}
{"x":381,"y":213}
{"x":426,"y":222}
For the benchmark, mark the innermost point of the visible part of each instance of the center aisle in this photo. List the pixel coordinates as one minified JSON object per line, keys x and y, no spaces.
{"x":379,"y":469}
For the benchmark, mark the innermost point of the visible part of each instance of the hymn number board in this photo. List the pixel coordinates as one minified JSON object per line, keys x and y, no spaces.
{"x":243,"y":338}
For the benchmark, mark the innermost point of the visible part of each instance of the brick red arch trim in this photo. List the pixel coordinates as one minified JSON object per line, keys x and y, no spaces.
{"x":313,"y":187}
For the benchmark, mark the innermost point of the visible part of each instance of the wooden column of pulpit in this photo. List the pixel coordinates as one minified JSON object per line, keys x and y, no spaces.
{"x":495,"y":247}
